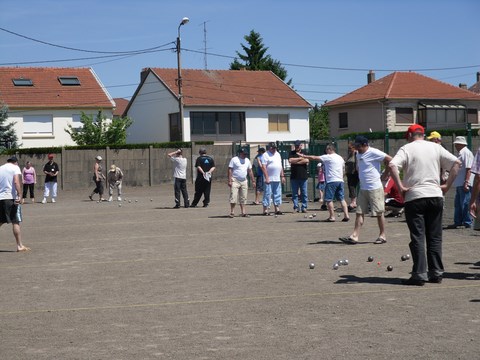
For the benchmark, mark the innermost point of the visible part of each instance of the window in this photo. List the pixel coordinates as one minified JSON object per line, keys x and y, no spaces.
{"x":175,"y":127}
{"x":343,"y":120}
{"x":22,"y":82}
{"x":38,"y":124}
{"x":472,"y":116}
{"x":404,"y":115}
{"x":278,"y":122}
{"x":217,"y":124}
{"x":69,"y":80}
{"x":76,"y":123}
{"x":441,"y":114}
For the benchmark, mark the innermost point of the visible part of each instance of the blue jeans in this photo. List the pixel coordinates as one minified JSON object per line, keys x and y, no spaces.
{"x":274,"y":189}
{"x":461,"y":215}
{"x":424,"y":220}
{"x":302,"y":185}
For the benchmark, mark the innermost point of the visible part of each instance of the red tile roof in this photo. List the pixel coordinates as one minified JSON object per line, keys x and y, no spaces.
{"x":405,"y":85}
{"x":231,"y":88}
{"x":47,"y":92}
{"x":121,"y":106}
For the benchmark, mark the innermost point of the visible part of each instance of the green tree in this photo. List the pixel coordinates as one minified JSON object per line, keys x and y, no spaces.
{"x":99,"y":131}
{"x":255,"y":57}
{"x":319,"y":123}
{"x":8,"y":137}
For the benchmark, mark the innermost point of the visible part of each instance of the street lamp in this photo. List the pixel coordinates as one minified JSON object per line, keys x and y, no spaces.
{"x":179,"y":80}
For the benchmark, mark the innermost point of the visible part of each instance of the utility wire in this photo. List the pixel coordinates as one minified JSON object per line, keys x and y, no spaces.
{"x":83,"y":50}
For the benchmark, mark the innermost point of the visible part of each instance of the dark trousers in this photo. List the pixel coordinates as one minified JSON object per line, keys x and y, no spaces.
{"x":26,"y":188}
{"x":202,"y":187}
{"x":180,"y":186}
{"x":424,"y":220}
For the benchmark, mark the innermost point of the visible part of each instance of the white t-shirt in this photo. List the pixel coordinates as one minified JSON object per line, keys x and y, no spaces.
{"x":240,"y":168}
{"x":369,"y":168}
{"x":421,"y":162}
{"x":273,"y":164}
{"x":180,"y":169}
{"x":7,"y":189}
{"x":466,"y":157}
{"x":334,"y":167}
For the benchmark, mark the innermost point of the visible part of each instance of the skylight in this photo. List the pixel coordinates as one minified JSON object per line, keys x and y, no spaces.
{"x":22,"y":82}
{"x":69,"y":80}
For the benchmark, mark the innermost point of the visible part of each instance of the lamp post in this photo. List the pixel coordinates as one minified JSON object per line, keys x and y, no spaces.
{"x":179,"y":80}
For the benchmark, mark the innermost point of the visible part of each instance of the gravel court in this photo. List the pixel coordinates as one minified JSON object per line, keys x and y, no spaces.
{"x":146,"y":281}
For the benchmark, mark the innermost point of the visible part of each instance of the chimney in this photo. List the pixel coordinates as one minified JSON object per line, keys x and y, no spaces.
{"x":478,"y":76}
{"x":144,"y":74}
{"x":370,"y":76}
{"x":463,"y":86}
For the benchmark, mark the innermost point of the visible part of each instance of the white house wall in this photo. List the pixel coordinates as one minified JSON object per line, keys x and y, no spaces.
{"x":150,"y":113}
{"x":60,"y":121}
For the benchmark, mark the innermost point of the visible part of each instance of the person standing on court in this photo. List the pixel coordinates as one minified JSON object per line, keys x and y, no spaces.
{"x":98,"y":178}
{"x":334,"y":184}
{"x":351,"y":171}
{"x":51,"y":171}
{"x":298,"y":177}
{"x":258,"y":172}
{"x":369,"y":161}
{"x":239,"y":169}
{"x":274,"y":178}
{"x":421,"y":162}
{"x":10,"y":190}
{"x":29,"y":179}
{"x":463,"y":186}
{"x":203,"y":183}
{"x":180,"y":176}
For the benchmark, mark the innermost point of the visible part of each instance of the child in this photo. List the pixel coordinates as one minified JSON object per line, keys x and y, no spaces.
{"x":321,"y":185}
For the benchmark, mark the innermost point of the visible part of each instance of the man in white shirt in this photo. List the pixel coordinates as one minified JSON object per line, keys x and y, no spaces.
{"x":369,"y":161}
{"x":421,"y":162}
{"x":10,"y":190}
{"x":238,"y":169}
{"x":274,"y":178}
{"x":334,"y":188}
{"x":463,"y":186}
{"x":180,"y":176}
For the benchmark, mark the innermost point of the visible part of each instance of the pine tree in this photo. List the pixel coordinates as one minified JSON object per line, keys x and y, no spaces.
{"x":8,"y":137}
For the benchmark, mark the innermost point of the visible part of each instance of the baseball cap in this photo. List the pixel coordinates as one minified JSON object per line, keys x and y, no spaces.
{"x":361,"y":140}
{"x":113,"y":168}
{"x":272,"y":145}
{"x":243,"y":150}
{"x":12,"y":159}
{"x":460,"y":140}
{"x":298,"y":143}
{"x":202,"y":150}
{"x":98,"y":157}
{"x":50,"y":156}
{"x":262,"y":150}
{"x":415,"y":128}
{"x":434,"y":135}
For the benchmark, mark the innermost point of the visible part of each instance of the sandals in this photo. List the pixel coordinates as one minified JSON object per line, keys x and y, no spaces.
{"x":231,"y":216}
{"x":380,"y":241}
{"x":345,"y":219}
{"x":245,"y":215}
{"x":330,"y":220}
{"x":348,"y":240}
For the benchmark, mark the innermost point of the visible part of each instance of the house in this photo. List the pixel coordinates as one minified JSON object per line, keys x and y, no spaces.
{"x":43,"y":101}
{"x":120,"y":106}
{"x":400,"y":99}
{"x":219,"y":105}
{"x":476,"y":87}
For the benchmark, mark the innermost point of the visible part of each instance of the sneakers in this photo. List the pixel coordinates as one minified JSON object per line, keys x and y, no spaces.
{"x":53,"y":200}
{"x":413,"y":282}
{"x":304,"y":211}
{"x":44,"y":201}
{"x":435,"y":279}
{"x":119,"y":198}
{"x":110,"y":199}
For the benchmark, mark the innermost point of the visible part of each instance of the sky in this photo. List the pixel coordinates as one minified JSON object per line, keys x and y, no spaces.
{"x":326,"y":46}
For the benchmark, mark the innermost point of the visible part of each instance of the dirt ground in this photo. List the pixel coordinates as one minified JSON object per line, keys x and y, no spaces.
{"x":145,"y":281}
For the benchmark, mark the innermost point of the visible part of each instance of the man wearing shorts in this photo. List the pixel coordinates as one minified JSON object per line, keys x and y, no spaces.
{"x":334,"y":184}
{"x":10,"y":190}
{"x":369,"y":161}
{"x":238,"y":169}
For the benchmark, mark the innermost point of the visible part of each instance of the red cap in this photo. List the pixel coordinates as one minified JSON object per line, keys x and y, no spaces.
{"x":50,"y":156}
{"x":415,"y":128}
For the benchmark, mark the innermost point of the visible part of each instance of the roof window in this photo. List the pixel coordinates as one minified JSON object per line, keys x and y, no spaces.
{"x":69,"y":80}
{"x":22,"y":82}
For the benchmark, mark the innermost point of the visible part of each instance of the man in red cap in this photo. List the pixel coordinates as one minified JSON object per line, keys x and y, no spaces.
{"x":421,"y":162}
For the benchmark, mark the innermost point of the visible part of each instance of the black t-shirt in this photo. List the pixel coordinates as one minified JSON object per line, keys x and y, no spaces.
{"x":205,"y":162}
{"x":298,"y":171}
{"x":51,"y":167}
